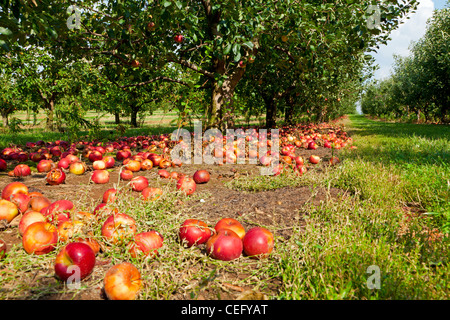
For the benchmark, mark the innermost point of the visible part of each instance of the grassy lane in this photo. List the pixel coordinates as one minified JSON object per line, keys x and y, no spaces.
{"x":387,"y":240}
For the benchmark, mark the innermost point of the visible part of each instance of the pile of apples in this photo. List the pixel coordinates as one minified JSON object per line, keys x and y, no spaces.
{"x":228,"y":239}
{"x":44,"y":224}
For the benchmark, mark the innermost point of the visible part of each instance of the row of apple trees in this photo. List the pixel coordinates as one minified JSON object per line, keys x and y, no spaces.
{"x":419,"y":87}
{"x":220,"y":62}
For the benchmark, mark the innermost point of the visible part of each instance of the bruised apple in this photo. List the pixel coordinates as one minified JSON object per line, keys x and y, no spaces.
{"x":145,"y":244}
{"x":139,"y":183}
{"x":40,"y":238}
{"x":8,"y":210}
{"x":187,"y":185}
{"x":122,"y":282}
{"x":194,"y":232}
{"x":151,"y":193}
{"x":117,"y":227}
{"x":55,"y":177}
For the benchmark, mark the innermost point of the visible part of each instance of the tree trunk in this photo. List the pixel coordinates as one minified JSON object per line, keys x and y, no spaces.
{"x":271,"y":113}
{"x":133,"y":119}
{"x":289,"y":112}
{"x":222,"y":96}
{"x":116,"y":117}
{"x":50,"y":114}
{"x":5,"y":120}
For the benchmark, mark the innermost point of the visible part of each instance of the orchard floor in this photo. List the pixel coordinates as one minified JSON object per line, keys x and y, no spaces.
{"x":278,"y":209}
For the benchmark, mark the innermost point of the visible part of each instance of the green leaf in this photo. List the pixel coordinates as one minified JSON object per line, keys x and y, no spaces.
{"x":5,"y":31}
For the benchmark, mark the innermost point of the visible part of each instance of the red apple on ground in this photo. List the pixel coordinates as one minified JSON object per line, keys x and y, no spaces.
{"x":231,"y":224}
{"x":76,"y":259}
{"x":163,"y":173}
{"x":8,"y":210}
{"x":126,"y":175}
{"x":122,"y":282}
{"x":117,"y":227}
{"x":258,"y":242}
{"x":314,"y":159}
{"x":55,"y":177}
{"x":100,"y":176}
{"x":67,"y":229}
{"x":13,"y":187}
{"x":40,"y":238}
{"x":187,"y":185}
{"x":64,"y":163}
{"x":225,"y":245}
{"x":77,"y":168}
{"x":151,"y":193}
{"x":201,"y":176}
{"x":139,"y":183}
{"x":145,"y":244}
{"x":45,"y":165}
{"x":3,"y":165}
{"x":194,"y":232}
{"x":109,"y":195}
{"x":146,"y":164}
{"x":95,"y":155}
{"x":21,"y":200}
{"x":22,"y":170}
{"x":38,"y":203}
{"x":109,"y":162}
{"x":99,"y":165}
{"x":28,"y":218}
{"x":95,"y":246}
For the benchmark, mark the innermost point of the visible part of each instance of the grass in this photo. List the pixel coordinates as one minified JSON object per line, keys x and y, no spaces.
{"x":389,"y":227}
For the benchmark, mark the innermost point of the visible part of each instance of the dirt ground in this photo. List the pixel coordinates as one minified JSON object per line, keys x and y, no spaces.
{"x":280,"y":207}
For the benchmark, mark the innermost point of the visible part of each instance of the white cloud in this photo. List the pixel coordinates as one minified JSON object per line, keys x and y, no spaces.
{"x":411,"y":30}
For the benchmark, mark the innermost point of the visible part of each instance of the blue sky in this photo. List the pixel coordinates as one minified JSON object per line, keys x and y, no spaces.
{"x":411,"y":30}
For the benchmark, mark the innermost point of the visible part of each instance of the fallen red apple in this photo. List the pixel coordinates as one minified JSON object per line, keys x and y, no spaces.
{"x":122,"y":282}
{"x":21,"y":200}
{"x":258,"y":242}
{"x":22,"y":170}
{"x":100,"y":176}
{"x":145,"y":244}
{"x":109,"y":195}
{"x":133,"y":165}
{"x":163,"y":173}
{"x":3,"y":165}
{"x":40,"y":238}
{"x":64,"y":163}
{"x":8,"y":210}
{"x":95,"y":155}
{"x":186,"y":185}
{"x":55,"y":177}
{"x":118,"y":227}
{"x":194,"y":232}
{"x":139,"y":183}
{"x":77,"y":168}
{"x":99,"y":165}
{"x":126,"y":175}
{"x":225,"y":245}
{"x":201,"y":176}
{"x":45,"y":165}
{"x":74,"y":260}
{"x":151,"y":193}
{"x":13,"y":187}
{"x":314,"y":159}
{"x":67,"y":229}
{"x":109,"y":162}
{"x":231,"y":224}
{"x":38,"y":203}
{"x":28,"y":218}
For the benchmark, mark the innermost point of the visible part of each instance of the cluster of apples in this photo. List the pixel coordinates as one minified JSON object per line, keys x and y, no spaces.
{"x":228,"y":239}
{"x":44,"y":224}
